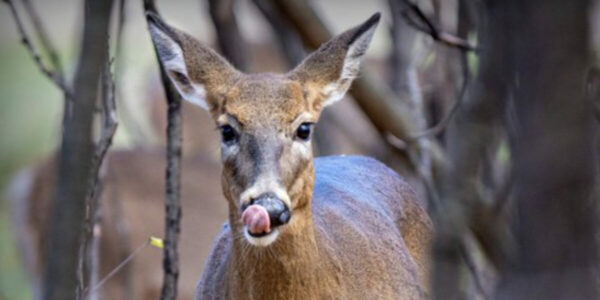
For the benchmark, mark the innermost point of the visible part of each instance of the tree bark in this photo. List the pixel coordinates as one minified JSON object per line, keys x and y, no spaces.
{"x":552,"y":146}
{"x":76,"y":154}
{"x":173,"y":180}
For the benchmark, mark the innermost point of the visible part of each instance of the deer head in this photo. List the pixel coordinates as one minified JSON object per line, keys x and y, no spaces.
{"x":265,"y":122}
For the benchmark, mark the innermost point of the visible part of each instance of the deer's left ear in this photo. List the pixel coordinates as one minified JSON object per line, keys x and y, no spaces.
{"x":328,"y":72}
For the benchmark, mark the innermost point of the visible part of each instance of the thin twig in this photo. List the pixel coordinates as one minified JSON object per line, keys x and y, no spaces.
{"x":109,"y":127}
{"x":442,"y":124}
{"x":47,"y":45}
{"x":118,"y":268}
{"x":50,"y":73}
{"x":425,"y":25}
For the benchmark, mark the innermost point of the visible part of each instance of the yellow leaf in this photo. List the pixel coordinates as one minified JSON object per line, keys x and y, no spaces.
{"x":156,"y":242}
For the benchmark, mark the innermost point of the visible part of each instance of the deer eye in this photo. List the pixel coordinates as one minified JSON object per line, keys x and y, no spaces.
{"x":228,"y":134}
{"x":303,"y":131}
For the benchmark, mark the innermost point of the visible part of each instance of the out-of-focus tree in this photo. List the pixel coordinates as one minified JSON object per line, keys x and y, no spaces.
{"x":76,"y":159}
{"x":552,"y":145}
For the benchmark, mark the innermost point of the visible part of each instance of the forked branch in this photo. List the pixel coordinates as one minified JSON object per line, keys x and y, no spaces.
{"x":443,"y":124}
{"x":415,"y":17}
{"x":76,"y":159}
{"x":90,"y":245}
{"x":53,"y":73}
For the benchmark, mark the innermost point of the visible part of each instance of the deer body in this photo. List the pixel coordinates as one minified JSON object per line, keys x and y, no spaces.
{"x":333,"y":255}
{"x":354,"y":231}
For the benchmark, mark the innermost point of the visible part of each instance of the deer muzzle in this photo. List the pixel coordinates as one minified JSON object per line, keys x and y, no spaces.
{"x":264,"y":214}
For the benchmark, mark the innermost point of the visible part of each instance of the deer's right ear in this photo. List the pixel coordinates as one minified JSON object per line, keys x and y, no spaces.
{"x":197,"y":72}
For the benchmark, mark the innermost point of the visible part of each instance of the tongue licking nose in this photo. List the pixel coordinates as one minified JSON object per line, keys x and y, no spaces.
{"x":256,"y":219}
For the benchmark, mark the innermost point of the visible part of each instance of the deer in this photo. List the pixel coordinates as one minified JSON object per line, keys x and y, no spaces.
{"x":337,"y":227}
{"x":132,"y":210}
{"x":132,"y":202}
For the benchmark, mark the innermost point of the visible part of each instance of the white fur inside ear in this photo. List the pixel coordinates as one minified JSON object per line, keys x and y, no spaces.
{"x":336,"y":90}
{"x":172,"y":59}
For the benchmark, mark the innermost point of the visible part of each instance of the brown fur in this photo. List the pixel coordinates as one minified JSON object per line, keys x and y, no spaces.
{"x":356,"y":242}
{"x":356,"y":229}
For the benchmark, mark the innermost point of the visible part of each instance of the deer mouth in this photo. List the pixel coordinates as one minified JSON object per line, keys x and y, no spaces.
{"x":256,"y":220}
{"x":262,"y":218}
{"x":257,"y":226}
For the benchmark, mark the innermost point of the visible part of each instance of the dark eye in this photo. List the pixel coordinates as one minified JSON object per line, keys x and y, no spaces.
{"x":228,"y":134}
{"x":303,"y":131}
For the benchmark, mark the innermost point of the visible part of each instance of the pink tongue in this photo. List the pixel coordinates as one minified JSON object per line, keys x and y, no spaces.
{"x":256,"y":219}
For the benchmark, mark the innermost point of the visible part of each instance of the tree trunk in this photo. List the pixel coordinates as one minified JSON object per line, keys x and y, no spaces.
{"x":60,"y":275}
{"x":553,"y":155}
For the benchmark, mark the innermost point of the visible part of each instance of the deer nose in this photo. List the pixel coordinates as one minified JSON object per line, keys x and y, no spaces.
{"x":279,"y":213}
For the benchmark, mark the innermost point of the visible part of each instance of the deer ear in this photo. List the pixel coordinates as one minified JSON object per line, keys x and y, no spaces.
{"x":197,"y":72}
{"x":328,"y":72}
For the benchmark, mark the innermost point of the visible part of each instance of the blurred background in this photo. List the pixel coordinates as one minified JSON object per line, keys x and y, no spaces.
{"x":424,"y":72}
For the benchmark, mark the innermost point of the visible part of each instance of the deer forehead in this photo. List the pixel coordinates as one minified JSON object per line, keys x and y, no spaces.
{"x":266,"y":100}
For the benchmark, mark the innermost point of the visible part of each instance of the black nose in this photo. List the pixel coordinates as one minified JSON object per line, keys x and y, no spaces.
{"x":279,"y":213}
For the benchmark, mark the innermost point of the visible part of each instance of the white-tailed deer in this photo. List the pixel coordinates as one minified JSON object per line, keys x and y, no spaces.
{"x":133,"y":200}
{"x":328,"y":228}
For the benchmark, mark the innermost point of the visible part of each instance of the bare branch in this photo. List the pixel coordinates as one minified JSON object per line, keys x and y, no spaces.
{"x":119,"y":267}
{"x":54,"y":75}
{"x":442,"y":124}
{"x":91,"y":239}
{"x":47,"y":45}
{"x":88,"y":259}
{"x":406,"y":84}
{"x":425,"y":25}
{"x":471,"y":133}
{"x":173,"y":180}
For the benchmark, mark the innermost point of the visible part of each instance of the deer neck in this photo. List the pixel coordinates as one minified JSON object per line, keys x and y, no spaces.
{"x":289,"y":266}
